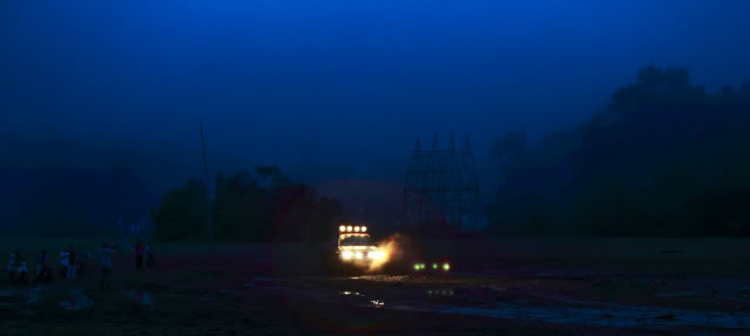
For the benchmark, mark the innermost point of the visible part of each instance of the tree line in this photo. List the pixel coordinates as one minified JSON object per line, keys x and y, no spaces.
{"x":58,"y":200}
{"x":663,"y":157}
{"x":259,"y":205}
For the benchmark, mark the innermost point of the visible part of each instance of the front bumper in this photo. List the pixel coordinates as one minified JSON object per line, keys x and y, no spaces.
{"x":360,"y":257}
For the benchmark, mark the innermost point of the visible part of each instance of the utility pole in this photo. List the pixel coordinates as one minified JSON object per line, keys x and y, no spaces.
{"x":208,"y":192}
{"x":442,"y":185}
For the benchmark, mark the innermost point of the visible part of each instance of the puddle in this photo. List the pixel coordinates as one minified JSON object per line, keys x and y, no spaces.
{"x":443,"y":292}
{"x":675,"y":294}
{"x":33,"y":296}
{"x":616,"y":317}
{"x":19,"y":297}
{"x":5,"y":299}
{"x":377,"y":303}
{"x":569,"y":275}
{"x":382,"y":278}
{"x":143,"y":297}
{"x":258,"y":281}
{"x":670,"y":251}
{"x":350,"y":293}
{"x":583,"y":313}
{"x":77,"y":300}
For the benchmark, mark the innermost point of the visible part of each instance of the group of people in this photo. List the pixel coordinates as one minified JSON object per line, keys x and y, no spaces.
{"x":144,"y":251}
{"x":16,"y":267}
{"x":71,"y":262}
{"x":141,"y":252}
{"x":74,"y":262}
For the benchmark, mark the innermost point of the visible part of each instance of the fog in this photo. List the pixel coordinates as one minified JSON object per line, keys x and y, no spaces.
{"x":329,"y":90}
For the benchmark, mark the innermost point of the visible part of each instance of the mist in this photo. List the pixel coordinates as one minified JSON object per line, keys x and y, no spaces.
{"x":378,"y":167}
{"x":329,"y":90}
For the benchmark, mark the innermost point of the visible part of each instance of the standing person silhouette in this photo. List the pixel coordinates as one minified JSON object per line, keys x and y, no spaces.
{"x":139,"y":256}
{"x":64,"y":263}
{"x":71,"y":262}
{"x":106,"y":257}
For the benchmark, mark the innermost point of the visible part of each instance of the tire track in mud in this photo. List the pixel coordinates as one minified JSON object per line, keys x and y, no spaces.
{"x":463,"y":301}
{"x":461,"y":294}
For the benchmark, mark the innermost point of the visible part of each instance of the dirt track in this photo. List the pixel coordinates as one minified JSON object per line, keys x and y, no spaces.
{"x":237,"y":294}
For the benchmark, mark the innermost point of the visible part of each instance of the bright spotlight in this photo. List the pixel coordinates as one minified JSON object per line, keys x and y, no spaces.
{"x":356,"y":229}
{"x":349,"y":228}
{"x":342,"y":228}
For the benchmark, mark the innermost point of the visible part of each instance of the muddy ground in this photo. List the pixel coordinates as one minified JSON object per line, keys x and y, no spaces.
{"x":263,"y":290}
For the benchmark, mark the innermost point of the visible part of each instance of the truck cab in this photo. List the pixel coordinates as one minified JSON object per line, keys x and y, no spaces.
{"x":355,"y":246}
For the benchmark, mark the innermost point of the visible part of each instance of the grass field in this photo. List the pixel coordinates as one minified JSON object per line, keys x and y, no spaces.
{"x":686,"y":256}
{"x":525,"y":285}
{"x":708,"y":256}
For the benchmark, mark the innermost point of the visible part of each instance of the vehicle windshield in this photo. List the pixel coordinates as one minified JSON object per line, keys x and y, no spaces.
{"x":357,"y":241}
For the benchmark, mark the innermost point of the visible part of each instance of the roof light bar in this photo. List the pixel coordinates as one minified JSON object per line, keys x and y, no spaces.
{"x":350,"y":229}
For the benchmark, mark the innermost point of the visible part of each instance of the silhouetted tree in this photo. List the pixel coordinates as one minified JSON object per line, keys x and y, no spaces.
{"x":182,"y":213}
{"x":261,"y":206}
{"x":663,"y":158}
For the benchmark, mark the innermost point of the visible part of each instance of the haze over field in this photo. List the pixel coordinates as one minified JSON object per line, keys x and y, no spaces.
{"x":327,"y":90}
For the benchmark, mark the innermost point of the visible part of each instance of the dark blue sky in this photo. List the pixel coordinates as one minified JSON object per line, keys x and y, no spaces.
{"x":280,"y":81}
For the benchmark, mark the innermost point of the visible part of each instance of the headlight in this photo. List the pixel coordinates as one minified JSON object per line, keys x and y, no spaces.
{"x":358,"y":255}
{"x":346,"y":255}
{"x":375,"y":255}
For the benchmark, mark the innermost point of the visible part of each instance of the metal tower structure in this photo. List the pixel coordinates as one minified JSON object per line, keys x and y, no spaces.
{"x":442,"y":191}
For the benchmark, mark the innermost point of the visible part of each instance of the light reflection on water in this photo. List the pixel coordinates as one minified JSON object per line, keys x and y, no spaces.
{"x":440,"y":292}
{"x":615,"y":316}
{"x":141,"y":296}
{"x":77,"y":300}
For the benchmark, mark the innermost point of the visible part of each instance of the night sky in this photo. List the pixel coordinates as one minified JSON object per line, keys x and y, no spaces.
{"x":343,"y":81}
